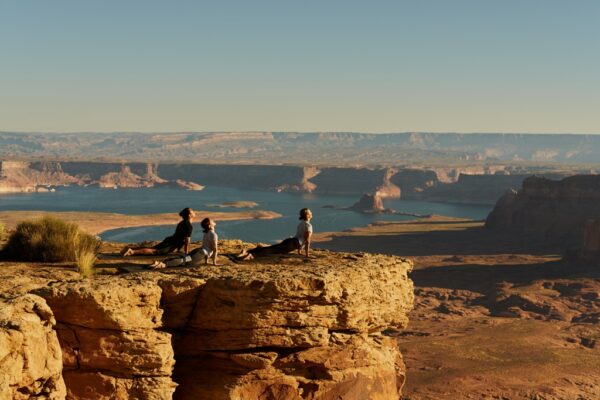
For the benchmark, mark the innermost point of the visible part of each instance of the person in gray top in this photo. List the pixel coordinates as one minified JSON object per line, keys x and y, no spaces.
{"x":299,"y":242}
{"x":200,"y":255}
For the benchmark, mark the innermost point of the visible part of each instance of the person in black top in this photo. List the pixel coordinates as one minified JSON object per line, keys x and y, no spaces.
{"x":181,"y":238}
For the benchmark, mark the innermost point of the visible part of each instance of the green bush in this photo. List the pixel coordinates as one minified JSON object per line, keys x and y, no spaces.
{"x":48,"y":239}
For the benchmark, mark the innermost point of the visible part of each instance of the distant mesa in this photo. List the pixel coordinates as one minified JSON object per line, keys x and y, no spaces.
{"x":555,"y":211}
{"x":335,"y":148}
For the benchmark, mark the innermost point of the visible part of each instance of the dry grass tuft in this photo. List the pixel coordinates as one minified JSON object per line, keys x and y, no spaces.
{"x":85,"y":260}
{"x":48,"y":239}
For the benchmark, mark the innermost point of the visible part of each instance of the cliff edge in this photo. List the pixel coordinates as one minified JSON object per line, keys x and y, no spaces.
{"x":284,"y":328}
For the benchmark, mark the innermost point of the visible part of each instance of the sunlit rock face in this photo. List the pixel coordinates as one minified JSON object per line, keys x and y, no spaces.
{"x":284,"y":327}
{"x":30,"y":354}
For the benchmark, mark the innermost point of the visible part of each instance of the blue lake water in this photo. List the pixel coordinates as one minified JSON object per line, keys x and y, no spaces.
{"x":164,"y":200}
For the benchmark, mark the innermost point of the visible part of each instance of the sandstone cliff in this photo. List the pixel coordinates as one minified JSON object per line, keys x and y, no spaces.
{"x":553,"y":210}
{"x":288,"y":328}
{"x":356,"y":180}
{"x":18,"y":176}
{"x":477,"y":184}
{"x":30,"y":354}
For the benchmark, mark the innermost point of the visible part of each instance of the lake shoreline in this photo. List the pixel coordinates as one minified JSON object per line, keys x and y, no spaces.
{"x":97,"y":223}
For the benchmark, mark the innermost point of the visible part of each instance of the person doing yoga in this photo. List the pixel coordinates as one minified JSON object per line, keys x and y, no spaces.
{"x":198,"y":256}
{"x":181,"y":238}
{"x":299,"y":242}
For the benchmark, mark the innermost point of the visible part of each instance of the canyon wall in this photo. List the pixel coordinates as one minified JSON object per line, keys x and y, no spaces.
{"x":553,"y":210}
{"x":284,"y":329}
{"x":257,"y":177}
{"x":478,"y":184}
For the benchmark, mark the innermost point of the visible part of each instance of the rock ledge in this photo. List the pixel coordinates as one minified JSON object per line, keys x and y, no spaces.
{"x":287,"y":328}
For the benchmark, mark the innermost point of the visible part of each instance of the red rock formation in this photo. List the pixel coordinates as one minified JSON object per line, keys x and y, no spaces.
{"x":369,"y":203}
{"x":17,"y":176}
{"x":388,"y":190}
{"x":553,"y":210}
{"x":305,"y":185}
{"x":110,"y":337}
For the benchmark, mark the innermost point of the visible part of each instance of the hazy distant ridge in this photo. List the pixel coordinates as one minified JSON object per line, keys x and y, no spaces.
{"x":303,"y":148}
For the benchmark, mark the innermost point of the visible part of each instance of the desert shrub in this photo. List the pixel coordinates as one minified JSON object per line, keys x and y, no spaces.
{"x":48,"y":239}
{"x":85,"y":260}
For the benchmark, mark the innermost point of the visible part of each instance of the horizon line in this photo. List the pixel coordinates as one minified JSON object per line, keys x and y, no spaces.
{"x":86,"y":132}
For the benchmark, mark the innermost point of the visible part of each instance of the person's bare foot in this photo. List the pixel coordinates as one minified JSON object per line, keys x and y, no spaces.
{"x":127,"y":252}
{"x":124,"y":250}
{"x":158,"y":265}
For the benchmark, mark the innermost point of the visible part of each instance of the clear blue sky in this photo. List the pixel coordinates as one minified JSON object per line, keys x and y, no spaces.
{"x":370,"y":66}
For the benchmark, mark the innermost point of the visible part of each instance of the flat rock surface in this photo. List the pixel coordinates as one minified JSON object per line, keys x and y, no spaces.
{"x":281,"y":327}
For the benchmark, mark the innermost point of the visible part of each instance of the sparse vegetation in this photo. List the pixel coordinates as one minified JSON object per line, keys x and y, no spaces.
{"x":49,"y":239}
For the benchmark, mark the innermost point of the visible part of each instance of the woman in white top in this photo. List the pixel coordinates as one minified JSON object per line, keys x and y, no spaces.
{"x":208,"y":250}
{"x":299,"y":242}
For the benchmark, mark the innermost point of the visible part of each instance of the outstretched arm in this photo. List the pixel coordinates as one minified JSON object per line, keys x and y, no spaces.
{"x":307,"y":237}
{"x":215,"y":253}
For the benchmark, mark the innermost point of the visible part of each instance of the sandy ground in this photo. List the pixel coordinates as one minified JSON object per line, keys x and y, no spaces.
{"x":495,"y":317}
{"x":97,"y":222}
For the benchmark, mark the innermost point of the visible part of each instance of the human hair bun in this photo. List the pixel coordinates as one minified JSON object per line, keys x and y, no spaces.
{"x":185,"y":213}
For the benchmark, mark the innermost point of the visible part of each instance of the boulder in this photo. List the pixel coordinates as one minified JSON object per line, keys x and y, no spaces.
{"x":30,"y":354}
{"x":109,"y":332}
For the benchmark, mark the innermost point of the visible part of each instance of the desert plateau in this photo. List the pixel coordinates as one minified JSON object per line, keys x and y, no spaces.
{"x":299,"y":200}
{"x":433,"y":307}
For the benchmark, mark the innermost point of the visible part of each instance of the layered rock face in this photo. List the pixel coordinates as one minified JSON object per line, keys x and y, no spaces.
{"x":553,"y":210}
{"x":110,"y":338}
{"x":18,"y":176}
{"x":30,"y":355}
{"x":355,"y":180}
{"x":477,"y":184}
{"x":288,"y":328}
